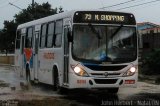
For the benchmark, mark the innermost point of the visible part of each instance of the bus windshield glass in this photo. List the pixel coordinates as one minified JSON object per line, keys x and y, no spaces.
{"x":95,"y":43}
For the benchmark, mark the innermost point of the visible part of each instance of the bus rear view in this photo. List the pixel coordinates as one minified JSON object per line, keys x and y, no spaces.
{"x":103,"y":50}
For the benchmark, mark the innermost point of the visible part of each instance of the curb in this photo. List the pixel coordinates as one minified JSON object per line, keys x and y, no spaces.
{"x":6,"y":65}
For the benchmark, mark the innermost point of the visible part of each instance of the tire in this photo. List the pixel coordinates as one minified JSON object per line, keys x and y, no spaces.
{"x":63,"y":91}
{"x":55,"y":79}
{"x":56,"y":85}
{"x":113,"y":90}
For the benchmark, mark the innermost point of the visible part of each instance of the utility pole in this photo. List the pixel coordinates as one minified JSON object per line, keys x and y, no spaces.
{"x":32,"y":3}
{"x":33,"y":8}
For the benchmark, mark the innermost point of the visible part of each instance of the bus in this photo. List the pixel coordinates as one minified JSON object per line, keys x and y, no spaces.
{"x":90,"y":49}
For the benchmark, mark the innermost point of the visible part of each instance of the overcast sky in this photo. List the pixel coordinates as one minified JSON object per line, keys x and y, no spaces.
{"x":149,"y":12}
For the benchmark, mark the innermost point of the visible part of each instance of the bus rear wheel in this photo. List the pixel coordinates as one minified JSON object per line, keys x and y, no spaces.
{"x":56,"y":81}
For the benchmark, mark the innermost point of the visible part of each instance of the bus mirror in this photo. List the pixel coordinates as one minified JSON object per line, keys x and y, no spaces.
{"x":69,"y":36}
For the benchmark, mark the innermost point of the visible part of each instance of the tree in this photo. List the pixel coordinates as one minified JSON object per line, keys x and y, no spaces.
{"x":39,"y":11}
{"x":60,"y":9}
{"x":151,"y":63}
{"x":7,"y":36}
{"x":8,"y":33}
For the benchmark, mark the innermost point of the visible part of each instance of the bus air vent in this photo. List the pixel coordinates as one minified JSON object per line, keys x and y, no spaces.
{"x":105,"y":68}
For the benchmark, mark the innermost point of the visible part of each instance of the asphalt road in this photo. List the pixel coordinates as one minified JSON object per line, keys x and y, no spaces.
{"x":16,"y":94}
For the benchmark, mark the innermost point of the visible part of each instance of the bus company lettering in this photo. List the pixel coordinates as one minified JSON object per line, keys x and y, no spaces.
{"x":48,"y":55}
{"x":117,"y":18}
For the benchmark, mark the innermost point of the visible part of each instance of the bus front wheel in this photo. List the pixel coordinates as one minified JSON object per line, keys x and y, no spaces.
{"x":56,"y":85}
{"x":55,"y":79}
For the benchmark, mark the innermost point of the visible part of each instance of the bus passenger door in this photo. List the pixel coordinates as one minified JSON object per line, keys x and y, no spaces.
{"x":22,"y":57}
{"x":66,"y":55}
{"x":35,"y":52}
{"x":17,"y":57}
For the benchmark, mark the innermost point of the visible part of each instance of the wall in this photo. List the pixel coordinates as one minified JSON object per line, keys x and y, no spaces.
{"x":9,"y":59}
{"x":151,"y":41}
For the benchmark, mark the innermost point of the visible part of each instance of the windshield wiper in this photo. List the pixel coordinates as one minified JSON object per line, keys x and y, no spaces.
{"x":117,"y":30}
{"x":94,"y":31}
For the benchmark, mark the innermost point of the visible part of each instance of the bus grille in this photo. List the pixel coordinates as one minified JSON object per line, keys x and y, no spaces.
{"x":105,"y":68}
{"x":102,"y":74}
{"x":105,"y":81}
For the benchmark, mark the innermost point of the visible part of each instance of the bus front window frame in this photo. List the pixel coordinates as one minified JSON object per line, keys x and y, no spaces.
{"x":109,"y":60}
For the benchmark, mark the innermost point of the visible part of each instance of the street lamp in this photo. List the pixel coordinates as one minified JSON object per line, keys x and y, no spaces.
{"x":22,"y":9}
{"x":15,"y":6}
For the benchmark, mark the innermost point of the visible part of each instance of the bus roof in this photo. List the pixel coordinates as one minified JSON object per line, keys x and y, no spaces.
{"x":67,"y":14}
{"x":47,"y":19}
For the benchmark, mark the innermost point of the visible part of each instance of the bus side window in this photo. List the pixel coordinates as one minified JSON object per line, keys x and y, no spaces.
{"x":18,"y":37}
{"x":28,"y":42}
{"x":43,"y":36}
{"x":50,"y":35}
{"x":58,"y":34}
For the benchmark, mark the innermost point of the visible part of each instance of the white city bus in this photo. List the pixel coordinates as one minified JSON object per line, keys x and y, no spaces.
{"x":79,"y":49}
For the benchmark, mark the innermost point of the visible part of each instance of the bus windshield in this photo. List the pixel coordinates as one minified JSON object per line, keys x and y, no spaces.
{"x":95,"y":43}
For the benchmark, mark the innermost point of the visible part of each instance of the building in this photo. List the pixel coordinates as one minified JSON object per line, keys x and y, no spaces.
{"x":148,"y":27}
{"x":149,"y":36}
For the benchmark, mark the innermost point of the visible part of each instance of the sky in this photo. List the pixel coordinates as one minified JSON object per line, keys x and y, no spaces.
{"x":144,"y":13}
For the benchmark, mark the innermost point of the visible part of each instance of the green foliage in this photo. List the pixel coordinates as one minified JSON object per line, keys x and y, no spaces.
{"x":39,"y":11}
{"x":8,"y":33}
{"x":7,"y":36}
{"x":151,"y":63}
{"x":157,"y":81}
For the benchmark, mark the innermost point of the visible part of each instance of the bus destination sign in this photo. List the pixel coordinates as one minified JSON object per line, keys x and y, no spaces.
{"x":104,"y":17}
{"x":100,"y":17}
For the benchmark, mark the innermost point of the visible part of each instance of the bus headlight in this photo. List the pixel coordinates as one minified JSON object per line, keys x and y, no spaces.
{"x":130,"y":72}
{"x":79,"y":71}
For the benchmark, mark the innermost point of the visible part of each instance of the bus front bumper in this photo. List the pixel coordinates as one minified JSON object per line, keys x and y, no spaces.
{"x":97,"y":82}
